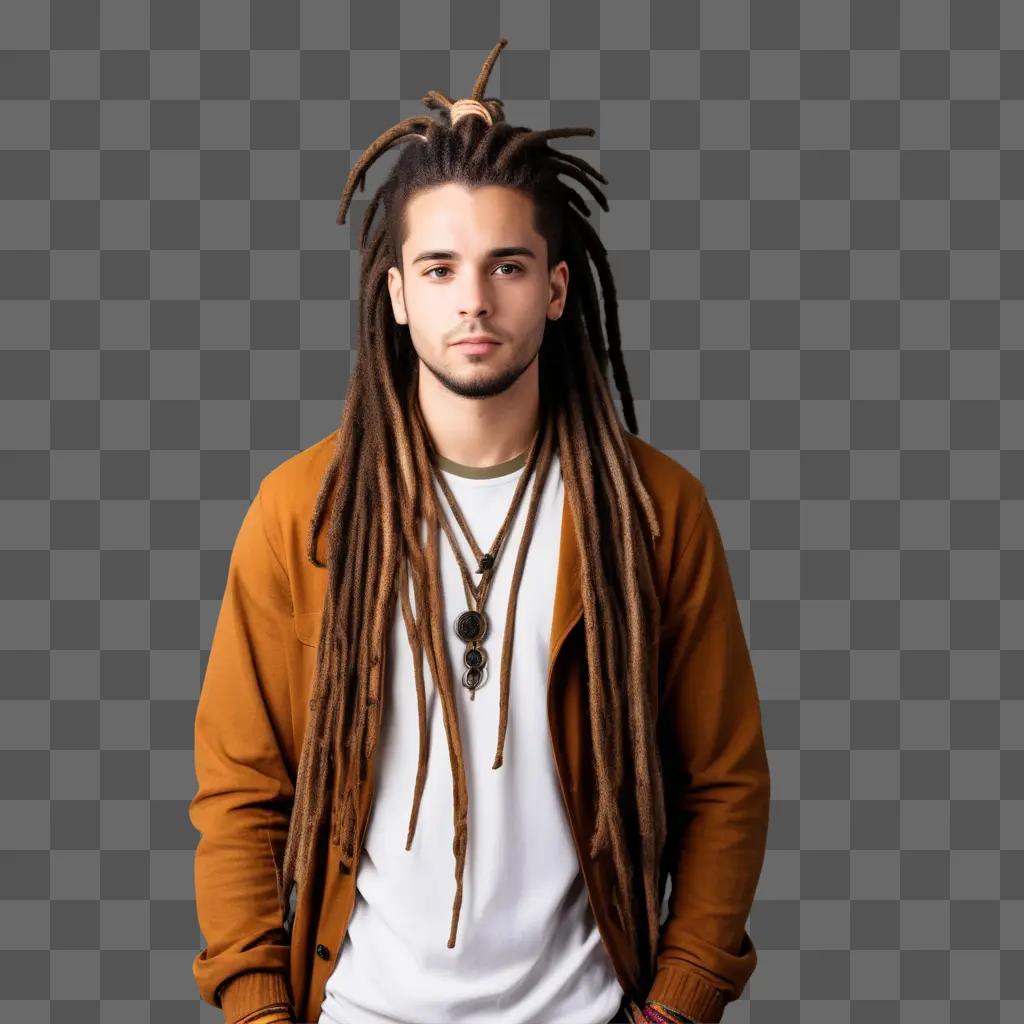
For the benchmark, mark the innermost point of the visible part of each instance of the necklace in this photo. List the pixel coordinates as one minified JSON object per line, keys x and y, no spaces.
{"x":471,"y":625}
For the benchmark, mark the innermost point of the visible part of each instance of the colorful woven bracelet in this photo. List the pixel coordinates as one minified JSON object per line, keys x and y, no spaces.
{"x":659,"y":1013}
{"x":635,"y":1013}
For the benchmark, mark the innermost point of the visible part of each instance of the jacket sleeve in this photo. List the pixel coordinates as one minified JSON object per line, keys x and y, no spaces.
{"x":715,"y":772}
{"x":243,"y":802}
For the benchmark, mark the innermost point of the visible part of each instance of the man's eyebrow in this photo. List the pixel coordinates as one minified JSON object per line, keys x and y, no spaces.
{"x":447,"y":254}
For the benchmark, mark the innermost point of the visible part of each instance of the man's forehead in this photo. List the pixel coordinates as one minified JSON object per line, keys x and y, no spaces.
{"x":503,"y":209}
{"x":501,"y":225}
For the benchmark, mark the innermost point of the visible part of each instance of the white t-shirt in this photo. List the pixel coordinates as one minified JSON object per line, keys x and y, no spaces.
{"x":527,"y":949}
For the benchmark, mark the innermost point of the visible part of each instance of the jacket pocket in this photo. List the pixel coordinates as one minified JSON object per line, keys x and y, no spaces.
{"x":307,"y":627}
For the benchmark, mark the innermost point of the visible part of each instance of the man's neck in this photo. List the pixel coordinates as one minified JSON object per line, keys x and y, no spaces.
{"x":480,"y":432}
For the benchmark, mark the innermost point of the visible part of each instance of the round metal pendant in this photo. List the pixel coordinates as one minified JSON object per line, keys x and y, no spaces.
{"x":470,"y":626}
{"x":474,"y":657}
{"x":473,"y":679}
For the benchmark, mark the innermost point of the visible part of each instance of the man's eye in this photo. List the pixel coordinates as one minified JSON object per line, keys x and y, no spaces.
{"x":514,"y":266}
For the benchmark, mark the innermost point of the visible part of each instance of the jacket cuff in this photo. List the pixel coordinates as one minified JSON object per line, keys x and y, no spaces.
{"x":246,"y":993}
{"x":689,"y":993}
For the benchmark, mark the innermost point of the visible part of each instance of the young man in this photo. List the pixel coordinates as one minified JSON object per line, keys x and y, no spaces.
{"x":480,"y":456}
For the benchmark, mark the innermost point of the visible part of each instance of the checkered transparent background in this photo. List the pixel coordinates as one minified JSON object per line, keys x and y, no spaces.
{"x":817,"y":234}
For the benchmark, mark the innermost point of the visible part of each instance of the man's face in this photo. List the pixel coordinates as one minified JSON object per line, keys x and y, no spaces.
{"x":454,"y":285}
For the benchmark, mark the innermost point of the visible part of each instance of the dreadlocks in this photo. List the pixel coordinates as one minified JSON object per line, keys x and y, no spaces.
{"x":379,"y":485}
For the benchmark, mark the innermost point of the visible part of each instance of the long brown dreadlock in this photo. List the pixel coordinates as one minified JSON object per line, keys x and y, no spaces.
{"x":379,"y":484}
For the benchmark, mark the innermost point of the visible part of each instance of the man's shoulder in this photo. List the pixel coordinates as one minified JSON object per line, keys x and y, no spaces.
{"x":288,"y":491}
{"x":680,"y":505}
{"x":670,"y":484}
{"x":306,"y":467}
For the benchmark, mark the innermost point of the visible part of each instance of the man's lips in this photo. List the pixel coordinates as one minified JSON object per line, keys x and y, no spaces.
{"x":478,"y":344}
{"x":478,"y":339}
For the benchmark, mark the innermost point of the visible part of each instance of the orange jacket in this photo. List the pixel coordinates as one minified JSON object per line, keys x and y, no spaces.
{"x":252,"y":713}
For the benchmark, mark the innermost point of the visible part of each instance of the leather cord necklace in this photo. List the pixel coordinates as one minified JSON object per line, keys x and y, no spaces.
{"x":471,"y":625}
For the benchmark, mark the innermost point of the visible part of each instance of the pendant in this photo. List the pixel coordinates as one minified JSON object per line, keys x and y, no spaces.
{"x":471,"y":626}
{"x":474,"y":678}
{"x":476,"y":669}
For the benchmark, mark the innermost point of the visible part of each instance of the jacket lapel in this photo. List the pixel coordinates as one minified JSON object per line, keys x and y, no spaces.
{"x":568,"y":604}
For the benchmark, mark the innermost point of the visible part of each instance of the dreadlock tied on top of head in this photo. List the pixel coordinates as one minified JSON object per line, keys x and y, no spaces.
{"x":456,"y":110}
{"x":379,"y":488}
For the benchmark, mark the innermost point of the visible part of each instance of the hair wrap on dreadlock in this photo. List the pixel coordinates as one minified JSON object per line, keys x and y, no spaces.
{"x":378,"y":489}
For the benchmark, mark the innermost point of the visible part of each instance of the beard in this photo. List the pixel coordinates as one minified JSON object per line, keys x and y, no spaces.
{"x":485,"y":385}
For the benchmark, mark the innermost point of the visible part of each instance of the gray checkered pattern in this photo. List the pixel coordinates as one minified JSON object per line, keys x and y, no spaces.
{"x":817,"y":231}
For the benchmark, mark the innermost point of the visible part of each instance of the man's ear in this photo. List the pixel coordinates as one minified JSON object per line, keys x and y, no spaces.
{"x":559,"y":289}
{"x":397,"y":295}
